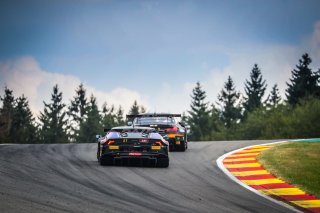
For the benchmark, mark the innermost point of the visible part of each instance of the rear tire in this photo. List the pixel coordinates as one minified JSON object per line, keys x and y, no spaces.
{"x":186,"y":140}
{"x":163,"y":162}
{"x":98,"y":152}
{"x":183,"y":146}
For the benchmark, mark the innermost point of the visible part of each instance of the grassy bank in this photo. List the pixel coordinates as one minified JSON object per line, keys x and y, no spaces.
{"x":297,"y":163}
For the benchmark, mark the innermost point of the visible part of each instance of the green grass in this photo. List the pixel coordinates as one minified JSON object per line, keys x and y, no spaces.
{"x":297,"y":163}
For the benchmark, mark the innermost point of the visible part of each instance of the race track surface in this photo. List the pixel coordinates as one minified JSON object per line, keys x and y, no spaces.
{"x":67,"y":178}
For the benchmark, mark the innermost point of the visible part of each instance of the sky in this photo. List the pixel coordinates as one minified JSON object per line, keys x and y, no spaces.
{"x":151,"y":51}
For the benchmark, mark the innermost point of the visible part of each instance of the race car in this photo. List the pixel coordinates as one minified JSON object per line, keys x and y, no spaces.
{"x":166,"y":124}
{"x":132,"y":146}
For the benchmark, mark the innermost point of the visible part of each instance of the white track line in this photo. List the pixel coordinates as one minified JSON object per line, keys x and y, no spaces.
{"x":219,"y":162}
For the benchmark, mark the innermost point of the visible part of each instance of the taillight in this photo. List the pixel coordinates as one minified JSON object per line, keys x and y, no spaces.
{"x":110,"y":142}
{"x":157,"y":143}
{"x":173,"y":129}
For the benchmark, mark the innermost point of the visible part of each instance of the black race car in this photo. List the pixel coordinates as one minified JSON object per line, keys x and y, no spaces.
{"x":166,"y":124}
{"x":131,"y":146}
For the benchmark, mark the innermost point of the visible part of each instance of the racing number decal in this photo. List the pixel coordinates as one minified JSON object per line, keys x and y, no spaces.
{"x":125,"y":140}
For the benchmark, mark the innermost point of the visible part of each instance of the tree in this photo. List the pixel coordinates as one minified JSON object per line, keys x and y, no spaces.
{"x":23,"y":125}
{"x":304,"y":82}
{"x":77,"y":112}
{"x":216,"y":126}
{"x":108,"y":116}
{"x":135,"y":109}
{"x":229,"y":101}
{"x":274,"y":98}
{"x":254,"y":89}
{"x":199,"y":114}
{"x":184,"y":118}
{"x":6,"y":116}
{"x":119,"y":117}
{"x":92,"y":125}
{"x":143,"y":109}
{"x":53,"y":120}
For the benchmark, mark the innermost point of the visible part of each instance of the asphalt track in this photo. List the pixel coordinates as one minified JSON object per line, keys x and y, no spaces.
{"x":67,"y":178}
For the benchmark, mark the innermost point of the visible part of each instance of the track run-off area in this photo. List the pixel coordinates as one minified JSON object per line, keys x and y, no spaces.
{"x":68,"y":178}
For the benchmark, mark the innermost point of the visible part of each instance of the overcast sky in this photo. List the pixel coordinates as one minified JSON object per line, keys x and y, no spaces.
{"x":151,"y":51}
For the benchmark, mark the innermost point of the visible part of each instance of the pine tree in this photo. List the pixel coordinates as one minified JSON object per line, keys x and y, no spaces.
{"x":184,"y":118}
{"x":135,"y":109}
{"x":304,"y":82}
{"x":6,"y":116}
{"x":254,"y":89}
{"x":53,"y":120}
{"x":92,"y":125}
{"x":199,"y":114}
{"x":274,"y":97}
{"x":23,"y":125}
{"x":77,"y":112}
{"x":229,"y":101}
{"x":215,"y":124}
{"x":108,"y":116}
{"x":143,"y":109}
{"x":119,"y":117}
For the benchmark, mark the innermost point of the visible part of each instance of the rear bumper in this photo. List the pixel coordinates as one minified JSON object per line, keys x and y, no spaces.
{"x":126,"y":155}
{"x":121,"y":158}
{"x":176,"y":140}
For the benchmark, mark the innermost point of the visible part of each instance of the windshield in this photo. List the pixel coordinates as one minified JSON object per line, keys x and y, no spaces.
{"x":153,"y":120}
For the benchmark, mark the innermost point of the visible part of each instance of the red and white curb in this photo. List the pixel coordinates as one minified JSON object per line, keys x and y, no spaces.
{"x":242,"y":167}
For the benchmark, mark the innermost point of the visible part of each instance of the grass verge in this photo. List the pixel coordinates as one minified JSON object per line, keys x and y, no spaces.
{"x":297,"y":163}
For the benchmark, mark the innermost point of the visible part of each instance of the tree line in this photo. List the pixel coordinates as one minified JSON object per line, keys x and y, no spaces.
{"x":255,"y":115}
{"x":77,"y":122}
{"x":252,"y":115}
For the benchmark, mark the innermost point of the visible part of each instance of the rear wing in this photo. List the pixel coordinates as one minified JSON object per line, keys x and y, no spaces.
{"x":126,"y":129}
{"x":154,"y":115}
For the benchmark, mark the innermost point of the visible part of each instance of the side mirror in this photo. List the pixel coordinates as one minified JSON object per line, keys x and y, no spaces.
{"x":98,"y":136}
{"x":129,"y":123}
